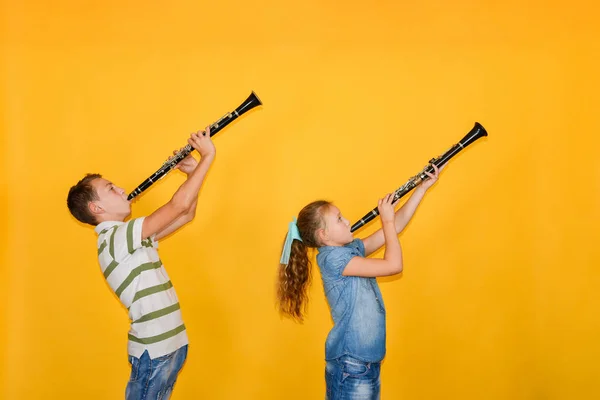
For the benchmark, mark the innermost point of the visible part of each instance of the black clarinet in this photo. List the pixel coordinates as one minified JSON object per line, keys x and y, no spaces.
{"x":251,"y":102}
{"x":477,"y":132}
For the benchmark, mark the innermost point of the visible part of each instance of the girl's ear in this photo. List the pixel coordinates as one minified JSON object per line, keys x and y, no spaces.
{"x":321,"y":234}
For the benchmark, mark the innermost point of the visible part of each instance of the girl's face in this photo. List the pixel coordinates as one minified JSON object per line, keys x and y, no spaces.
{"x":337,"y":228}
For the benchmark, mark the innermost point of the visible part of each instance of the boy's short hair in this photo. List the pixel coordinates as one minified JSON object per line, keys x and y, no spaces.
{"x":80,"y":195}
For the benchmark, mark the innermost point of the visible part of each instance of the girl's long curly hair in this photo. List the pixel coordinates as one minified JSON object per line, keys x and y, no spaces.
{"x":295,"y":278}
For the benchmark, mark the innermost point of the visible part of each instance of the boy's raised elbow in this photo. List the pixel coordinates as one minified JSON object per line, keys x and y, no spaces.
{"x":180,"y":205}
{"x":190,"y":214}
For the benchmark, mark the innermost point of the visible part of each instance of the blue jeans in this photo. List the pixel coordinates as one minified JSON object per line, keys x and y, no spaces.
{"x":347,"y":378}
{"x":153,"y":379}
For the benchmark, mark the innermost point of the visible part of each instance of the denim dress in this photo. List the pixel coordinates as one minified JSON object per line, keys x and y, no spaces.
{"x":355,"y":346}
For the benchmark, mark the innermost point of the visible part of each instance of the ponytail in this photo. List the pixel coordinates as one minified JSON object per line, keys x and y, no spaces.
{"x":295,"y":276}
{"x":294,"y":281}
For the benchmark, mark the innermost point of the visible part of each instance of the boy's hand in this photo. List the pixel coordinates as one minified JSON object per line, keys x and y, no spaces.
{"x":202,"y":142}
{"x":386,"y":209}
{"x":187,"y":165}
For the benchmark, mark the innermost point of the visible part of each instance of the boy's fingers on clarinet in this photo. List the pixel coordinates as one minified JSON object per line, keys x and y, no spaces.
{"x":192,"y":140}
{"x":204,"y":133}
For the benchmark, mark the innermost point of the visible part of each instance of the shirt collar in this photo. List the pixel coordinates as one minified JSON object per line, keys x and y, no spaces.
{"x":329,"y":248}
{"x":106,"y":225}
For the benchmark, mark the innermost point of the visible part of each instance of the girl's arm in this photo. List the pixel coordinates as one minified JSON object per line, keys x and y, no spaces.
{"x":391,"y":263}
{"x":403,"y":215}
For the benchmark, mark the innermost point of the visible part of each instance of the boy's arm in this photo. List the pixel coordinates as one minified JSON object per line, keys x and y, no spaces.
{"x":178,"y":223}
{"x":187,"y":194}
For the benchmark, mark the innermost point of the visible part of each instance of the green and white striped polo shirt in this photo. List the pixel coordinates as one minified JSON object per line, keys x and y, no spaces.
{"x":133,"y":270}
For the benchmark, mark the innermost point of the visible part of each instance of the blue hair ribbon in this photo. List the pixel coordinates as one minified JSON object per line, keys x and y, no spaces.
{"x":293,"y":233}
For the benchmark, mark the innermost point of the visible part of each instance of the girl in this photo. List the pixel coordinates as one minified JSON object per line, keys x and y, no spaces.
{"x":355,"y":345}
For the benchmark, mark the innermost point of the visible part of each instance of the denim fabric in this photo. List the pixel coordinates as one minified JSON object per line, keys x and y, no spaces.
{"x":153,"y":379}
{"x":347,"y":378}
{"x":356,"y":306}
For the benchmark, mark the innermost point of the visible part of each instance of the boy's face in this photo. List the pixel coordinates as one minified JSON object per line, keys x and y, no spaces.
{"x":337,"y":228}
{"x":112,"y":201}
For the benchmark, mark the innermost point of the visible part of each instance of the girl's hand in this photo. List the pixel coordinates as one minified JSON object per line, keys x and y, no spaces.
{"x":432,"y":177}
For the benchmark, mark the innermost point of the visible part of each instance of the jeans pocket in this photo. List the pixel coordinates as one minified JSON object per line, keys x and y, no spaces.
{"x":135,"y":365}
{"x":163,"y":359}
{"x":355,"y":368}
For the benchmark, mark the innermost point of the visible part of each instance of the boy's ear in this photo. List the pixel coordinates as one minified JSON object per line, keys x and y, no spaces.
{"x":95,"y":208}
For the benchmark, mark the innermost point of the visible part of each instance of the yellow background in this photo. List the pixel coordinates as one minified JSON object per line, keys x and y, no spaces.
{"x":499,"y":298}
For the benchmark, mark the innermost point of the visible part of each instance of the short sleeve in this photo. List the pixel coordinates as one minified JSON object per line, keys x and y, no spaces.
{"x":335,"y":259}
{"x":125,"y":239}
{"x":358,"y":245}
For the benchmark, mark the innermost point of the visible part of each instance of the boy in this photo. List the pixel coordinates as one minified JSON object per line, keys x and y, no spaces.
{"x":158,"y":342}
